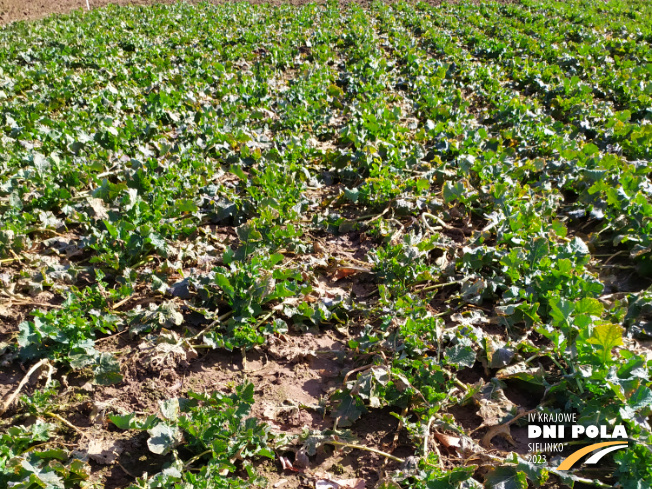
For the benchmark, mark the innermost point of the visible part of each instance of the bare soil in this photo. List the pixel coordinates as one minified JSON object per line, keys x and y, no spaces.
{"x":15,"y":10}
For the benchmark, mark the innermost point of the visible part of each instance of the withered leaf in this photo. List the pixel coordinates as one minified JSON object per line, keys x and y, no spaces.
{"x":447,"y":440}
{"x":345,"y":272}
{"x":340,"y":484}
{"x":104,"y":451}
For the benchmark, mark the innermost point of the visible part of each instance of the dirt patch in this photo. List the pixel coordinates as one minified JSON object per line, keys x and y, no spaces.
{"x":133,"y":458}
{"x":466,"y":416}
{"x":10,"y":318}
{"x":10,"y":376}
{"x":292,"y":375}
{"x":15,"y":10}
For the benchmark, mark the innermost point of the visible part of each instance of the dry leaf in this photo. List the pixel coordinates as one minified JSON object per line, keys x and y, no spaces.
{"x":494,"y":406}
{"x":97,"y":208}
{"x":340,"y":484}
{"x":301,"y":458}
{"x":448,"y":440}
{"x":280,"y":483}
{"x":289,"y":353}
{"x":104,"y":451}
{"x":323,"y":290}
{"x":166,"y":350}
{"x":98,"y":412}
{"x":288,"y":302}
{"x":285,"y":463}
{"x":344,"y":272}
{"x":269,"y":412}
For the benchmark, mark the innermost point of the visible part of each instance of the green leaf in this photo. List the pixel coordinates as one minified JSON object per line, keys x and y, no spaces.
{"x":130,"y":422}
{"x":539,"y":248}
{"x":559,"y":228}
{"x":107,"y":370}
{"x":122,"y":421}
{"x":245,"y":393}
{"x":454,"y":192}
{"x":560,"y":311}
{"x":538,"y":474}
{"x":113,"y":231}
{"x":641,"y":398}
{"x":590,"y":306}
{"x":453,"y":479}
{"x":606,"y":336}
{"x":41,"y":164}
{"x":81,"y":360}
{"x":159,"y":285}
{"x":348,"y":410}
{"x":27,"y":334}
{"x":352,"y":195}
{"x":275,"y":259}
{"x":506,"y":478}
{"x":56,"y":453}
{"x":248,"y":232}
{"x":237,"y":171}
{"x":186,"y":205}
{"x":223,"y":282}
{"x":169,"y":409}
{"x":462,"y":356}
{"x":163,"y":438}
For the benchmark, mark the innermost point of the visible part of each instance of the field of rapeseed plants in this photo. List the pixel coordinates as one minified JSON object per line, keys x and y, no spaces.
{"x":327,"y":246}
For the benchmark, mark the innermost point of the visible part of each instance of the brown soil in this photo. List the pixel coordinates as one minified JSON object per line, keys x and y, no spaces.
{"x":14,"y":10}
{"x":293,"y":374}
